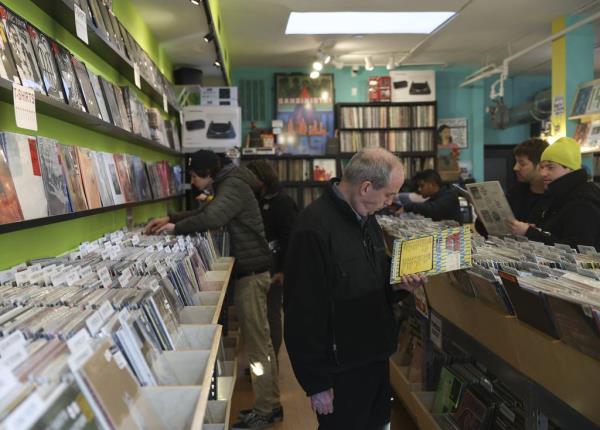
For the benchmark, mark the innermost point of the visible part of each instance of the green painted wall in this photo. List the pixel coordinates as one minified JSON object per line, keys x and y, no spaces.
{"x":54,"y":239}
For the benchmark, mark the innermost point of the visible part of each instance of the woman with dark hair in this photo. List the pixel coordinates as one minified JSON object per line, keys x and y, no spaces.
{"x":443,"y":137}
{"x":279,"y":212}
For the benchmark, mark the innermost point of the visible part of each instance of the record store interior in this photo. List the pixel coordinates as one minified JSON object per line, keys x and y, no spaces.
{"x":295,"y":215}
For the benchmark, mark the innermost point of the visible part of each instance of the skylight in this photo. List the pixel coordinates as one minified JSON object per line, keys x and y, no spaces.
{"x":365,"y":22}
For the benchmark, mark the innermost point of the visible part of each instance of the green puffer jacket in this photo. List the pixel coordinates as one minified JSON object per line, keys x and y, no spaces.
{"x":234,"y":206}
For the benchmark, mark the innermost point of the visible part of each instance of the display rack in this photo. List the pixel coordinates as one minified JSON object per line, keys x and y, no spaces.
{"x":550,"y":376}
{"x":62,"y":11}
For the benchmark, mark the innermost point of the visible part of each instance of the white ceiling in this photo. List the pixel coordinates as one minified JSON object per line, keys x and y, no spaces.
{"x":484,"y":31}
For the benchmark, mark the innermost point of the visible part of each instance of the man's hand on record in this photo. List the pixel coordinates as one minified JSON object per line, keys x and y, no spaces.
{"x":277,"y":279}
{"x":518,"y":227}
{"x":410,"y":282}
{"x":168,"y":228}
{"x":153,"y":226}
{"x":322,"y":403}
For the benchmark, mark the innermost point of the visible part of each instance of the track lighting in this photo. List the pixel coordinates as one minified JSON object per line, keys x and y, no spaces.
{"x":324,"y":58}
{"x":390,"y":64}
{"x":314,"y":74}
{"x":217,"y":63}
{"x":195,"y":2}
{"x":209,"y":37}
{"x":369,"y":64}
{"x":318,"y":66}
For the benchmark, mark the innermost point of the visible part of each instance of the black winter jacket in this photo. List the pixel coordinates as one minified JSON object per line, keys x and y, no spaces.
{"x":279,"y":212}
{"x":573,"y":214}
{"x":234,"y":206}
{"x":337,"y":298}
{"x":441,"y":206}
{"x":526,"y":205}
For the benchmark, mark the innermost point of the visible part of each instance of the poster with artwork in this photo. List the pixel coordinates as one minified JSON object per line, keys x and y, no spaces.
{"x":458,"y":132}
{"x":413,"y":85}
{"x":306,"y":108}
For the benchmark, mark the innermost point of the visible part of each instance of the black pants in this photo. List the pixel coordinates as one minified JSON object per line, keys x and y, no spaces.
{"x":361,"y":399}
{"x":274,"y":304}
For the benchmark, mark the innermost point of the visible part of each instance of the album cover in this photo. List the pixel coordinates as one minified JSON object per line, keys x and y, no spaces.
{"x":110,"y":32}
{"x":103,"y":179}
{"x":113,"y":176}
{"x":117,"y":36}
{"x":22,"y":49}
{"x":124,"y":177}
{"x":10,"y":209}
{"x":324,"y":170}
{"x":86,"y":87}
{"x":99,"y":96}
{"x":111,"y":101}
{"x":45,"y":59}
{"x":126,"y":41}
{"x":73,"y":177}
{"x":130,"y":170}
{"x":8,"y":68}
{"x":97,"y":17}
{"x":24,"y":164}
{"x":70,"y":410}
{"x":67,"y":75}
{"x":125,"y":121}
{"x":55,"y":184}
{"x":141,"y":179}
{"x":88,"y":176}
{"x":155,"y":183}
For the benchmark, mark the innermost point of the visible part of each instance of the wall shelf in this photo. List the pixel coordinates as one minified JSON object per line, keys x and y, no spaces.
{"x":62,"y":12}
{"x":388,"y":129}
{"x":38,"y":222}
{"x":46,"y":105}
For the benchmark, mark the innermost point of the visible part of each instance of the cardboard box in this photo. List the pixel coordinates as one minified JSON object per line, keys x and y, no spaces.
{"x":217,"y":128}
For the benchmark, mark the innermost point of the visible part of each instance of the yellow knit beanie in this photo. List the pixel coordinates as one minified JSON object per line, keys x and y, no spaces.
{"x":565,"y":151}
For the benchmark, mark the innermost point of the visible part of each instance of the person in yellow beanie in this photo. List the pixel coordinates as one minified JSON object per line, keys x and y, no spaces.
{"x":572,"y":215}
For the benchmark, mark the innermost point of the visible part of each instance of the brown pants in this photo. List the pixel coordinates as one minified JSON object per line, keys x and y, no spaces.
{"x":251,"y":306}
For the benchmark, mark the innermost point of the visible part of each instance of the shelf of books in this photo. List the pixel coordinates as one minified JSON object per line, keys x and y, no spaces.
{"x":109,"y":39}
{"x":513,"y":341}
{"x":124,"y":327}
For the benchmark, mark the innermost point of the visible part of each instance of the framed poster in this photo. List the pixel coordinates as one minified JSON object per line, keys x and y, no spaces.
{"x":458,"y":132}
{"x":306,"y":108}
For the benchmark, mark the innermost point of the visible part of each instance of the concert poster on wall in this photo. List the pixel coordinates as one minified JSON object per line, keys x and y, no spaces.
{"x":306,"y":107}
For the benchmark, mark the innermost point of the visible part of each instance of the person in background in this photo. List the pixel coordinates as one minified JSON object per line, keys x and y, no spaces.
{"x":442,"y":202}
{"x":235,"y":206}
{"x":340,"y":328}
{"x":279,"y":212}
{"x":527,"y":197}
{"x":574,"y":210}
{"x":444,"y":138}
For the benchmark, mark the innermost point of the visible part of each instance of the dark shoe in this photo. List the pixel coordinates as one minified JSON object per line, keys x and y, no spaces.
{"x":253,"y":420}
{"x":276,"y":416}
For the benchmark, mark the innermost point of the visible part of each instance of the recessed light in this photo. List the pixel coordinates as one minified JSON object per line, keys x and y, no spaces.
{"x":365,"y":22}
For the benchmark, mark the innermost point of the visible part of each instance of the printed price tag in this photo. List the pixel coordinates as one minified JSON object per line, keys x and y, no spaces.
{"x":26,"y":414}
{"x":114,"y":253}
{"x":24,"y":101}
{"x":125,"y":278}
{"x":80,"y":340}
{"x":72,"y":277}
{"x":94,"y":323}
{"x":135,"y":240}
{"x":114,"y":236}
{"x":106,"y":310}
{"x":105,"y":254}
{"x":81,"y":24}
{"x":136,"y":76}
{"x":165,"y":103}
{"x":85,"y":272}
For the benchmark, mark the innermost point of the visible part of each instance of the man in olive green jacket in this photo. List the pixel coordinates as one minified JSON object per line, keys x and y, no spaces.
{"x":235,"y":207}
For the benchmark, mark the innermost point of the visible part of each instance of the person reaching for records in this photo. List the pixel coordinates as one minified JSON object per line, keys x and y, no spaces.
{"x":279,"y":212}
{"x":340,"y":328}
{"x":442,"y":202}
{"x":574,"y":209}
{"x":527,"y":198}
{"x":235,"y":206}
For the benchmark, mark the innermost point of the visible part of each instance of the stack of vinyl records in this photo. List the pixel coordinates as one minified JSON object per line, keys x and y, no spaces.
{"x":423,"y":116}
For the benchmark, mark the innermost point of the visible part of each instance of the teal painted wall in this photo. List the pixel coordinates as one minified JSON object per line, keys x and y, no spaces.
{"x":53,"y":239}
{"x":452,"y":100}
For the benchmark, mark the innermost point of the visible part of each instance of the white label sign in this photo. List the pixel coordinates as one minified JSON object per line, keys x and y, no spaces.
{"x":125,"y":278}
{"x":24,"y":101}
{"x":165,"y":103}
{"x":72,"y":277}
{"x":81,"y":24}
{"x":94,"y":323}
{"x":105,"y":278}
{"x":80,"y":340}
{"x":136,"y":76}
{"x":106,"y":310}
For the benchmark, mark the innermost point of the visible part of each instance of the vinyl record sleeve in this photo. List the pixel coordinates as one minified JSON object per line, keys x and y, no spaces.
{"x":24,"y":164}
{"x":86,"y":87}
{"x":22,"y":49}
{"x":68,"y":78}
{"x":73,"y":176}
{"x":45,"y":59}
{"x":10,"y":209}
{"x":141,"y":179}
{"x":113,"y":176}
{"x":8,"y":68}
{"x":99,"y":96}
{"x":55,"y":184}
{"x":125,"y":120}
{"x":108,"y":92}
{"x":89,"y":178}
{"x":97,"y":17}
{"x":103,"y":179}
{"x":125,"y":177}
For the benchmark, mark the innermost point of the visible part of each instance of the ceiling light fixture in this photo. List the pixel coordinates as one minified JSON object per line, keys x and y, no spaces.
{"x":314,"y":74}
{"x":318,"y":66}
{"x":217,"y":63}
{"x":208,"y":37}
{"x":365,"y":22}
{"x":324,"y":58}
{"x":369,"y":64}
{"x":390,"y":64}
{"x":195,"y":2}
